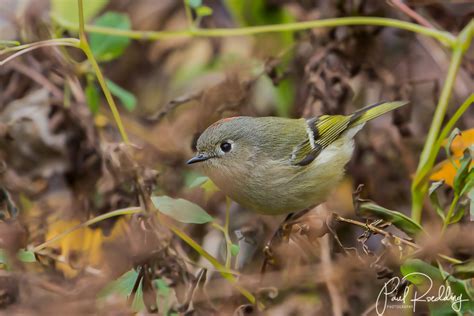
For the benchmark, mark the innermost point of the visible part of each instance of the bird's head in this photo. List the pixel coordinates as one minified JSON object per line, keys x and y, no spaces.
{"x":224,"y":144}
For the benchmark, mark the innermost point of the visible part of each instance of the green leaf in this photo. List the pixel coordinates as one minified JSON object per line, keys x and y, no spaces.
{"x":464,"y":270}
{"x":447,"y":147}
{"x":181,"y":210}
{"x":92,"y":97}
{"x":23,"y":255}
{"x":138,"y":304}
{"x":469,"y":182}
{"x":203,"y":11}
{"x":420,"y":273}
{"x":162,"y":287}
{"x":458,"y":213}
{"x":126,"y":98}
{"x":434,"y":198}
{"x":3,"y":257}
{"x":194,"y":3}
{"x":463,"y":172}
{"x":164,"y":292}
{"x":198,"y":182}
{"x":398,"y":219}
{"x":68,"y":9}
{"x":26,"y":256}
{"x":470,"y":195}
{"x":5,"y":43}
{"x":416,"y":265}
{"x":209,"y":189}
{"x":123,"y":286}
{"x":285,"y":95}
{"x":108,"y":47}
{"x":234,"y":250}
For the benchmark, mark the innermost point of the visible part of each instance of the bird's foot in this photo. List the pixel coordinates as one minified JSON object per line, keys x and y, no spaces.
{"x":282,"y":234}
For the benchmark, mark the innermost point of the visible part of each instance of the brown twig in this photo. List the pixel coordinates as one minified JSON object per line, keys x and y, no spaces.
{"x":377,"y":230}
{"x":173,"y":104}
{"x":37,"y":77}
{"x":411,"y":13}
{"x":339,"y":304}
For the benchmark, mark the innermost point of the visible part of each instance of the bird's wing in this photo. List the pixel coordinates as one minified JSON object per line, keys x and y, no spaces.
{"x":325,"y":129}
{"x":322,"y":131}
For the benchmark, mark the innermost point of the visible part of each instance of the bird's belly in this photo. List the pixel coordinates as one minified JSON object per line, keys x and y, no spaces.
{"x":284,"y":192}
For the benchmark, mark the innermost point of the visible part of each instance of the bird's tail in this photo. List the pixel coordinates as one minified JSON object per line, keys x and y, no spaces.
{"x":372,"y":111}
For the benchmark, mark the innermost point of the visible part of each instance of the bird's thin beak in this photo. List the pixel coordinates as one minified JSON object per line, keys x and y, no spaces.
{"x":198,"y":158}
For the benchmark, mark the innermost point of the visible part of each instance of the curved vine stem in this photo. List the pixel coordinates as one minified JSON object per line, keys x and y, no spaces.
{"x":442,"y":36}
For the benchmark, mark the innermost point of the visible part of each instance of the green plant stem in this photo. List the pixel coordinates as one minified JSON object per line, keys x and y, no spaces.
{"x":452,"y":207}
{"x":444,"y":37}
{"x":450,"y":259}
{"x":50,"y":42}
{"x":439,"y":114}
{"x":222,"y":269}
{"x":228,"y":257}
{"x":428,"y":155}
{"x":121,"y":212}
{"x":84,"y":45}
{"x":228,"y":243}
{"x":23,"y":49}
{"x":189,"y":15}
{"x":225,"y":230}
{"x":5,"y":43}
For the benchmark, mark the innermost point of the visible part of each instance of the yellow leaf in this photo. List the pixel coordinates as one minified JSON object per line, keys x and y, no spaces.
{"x":209,"y":189}
{"x":100,"y":120}
{"x":445,"y":170}
{"x":462,"y":141}
{"x":83,"y":247}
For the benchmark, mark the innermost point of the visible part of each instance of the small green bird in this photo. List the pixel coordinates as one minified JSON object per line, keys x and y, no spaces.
{"x":276,"y":165}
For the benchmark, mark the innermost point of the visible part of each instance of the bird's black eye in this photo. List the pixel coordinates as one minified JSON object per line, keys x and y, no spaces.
{"x":226,"y":147}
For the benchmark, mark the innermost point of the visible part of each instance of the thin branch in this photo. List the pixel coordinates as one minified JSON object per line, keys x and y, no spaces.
{"x":38,"y":78}
{"x":382,"y":232}
{"x":375,"y":230}
{"x":411,"y":13}
{"x":338,"y":304}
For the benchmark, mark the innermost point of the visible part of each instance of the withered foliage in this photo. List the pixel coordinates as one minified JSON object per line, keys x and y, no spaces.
{"x":61,"y":164}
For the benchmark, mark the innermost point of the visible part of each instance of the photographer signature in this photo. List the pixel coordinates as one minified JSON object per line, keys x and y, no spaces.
{"x":445,"y":294}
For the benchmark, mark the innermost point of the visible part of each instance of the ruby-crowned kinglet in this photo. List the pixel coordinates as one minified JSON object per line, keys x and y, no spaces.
{"x":278,"y":165}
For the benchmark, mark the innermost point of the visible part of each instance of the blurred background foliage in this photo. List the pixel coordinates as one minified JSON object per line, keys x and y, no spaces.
{"x":78,"y":227}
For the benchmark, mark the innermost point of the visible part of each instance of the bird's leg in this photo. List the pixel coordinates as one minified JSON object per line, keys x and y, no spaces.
{"x":282,"y":234}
